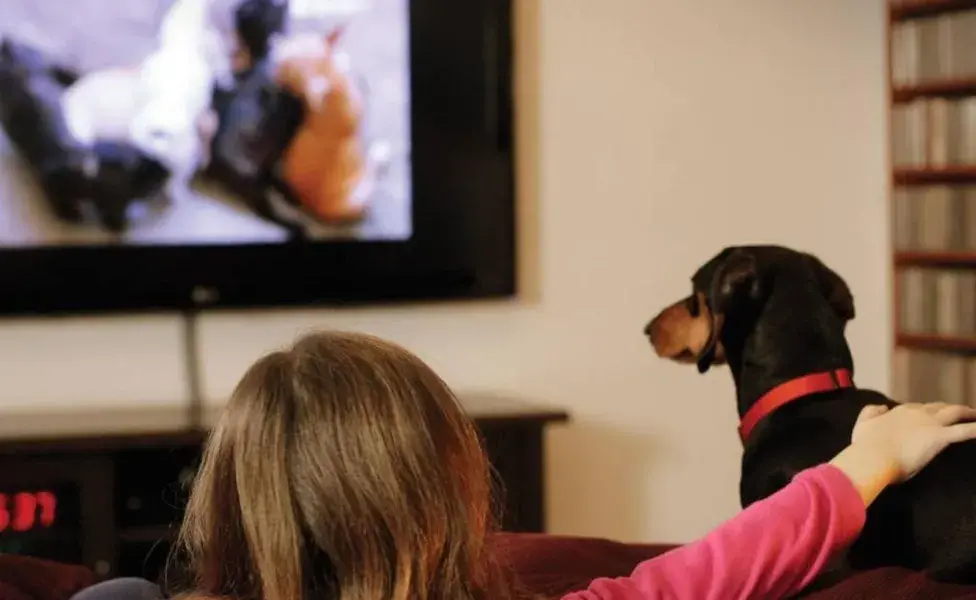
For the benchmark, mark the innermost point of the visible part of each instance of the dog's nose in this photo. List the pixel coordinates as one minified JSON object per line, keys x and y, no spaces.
{"x":649,"y":327}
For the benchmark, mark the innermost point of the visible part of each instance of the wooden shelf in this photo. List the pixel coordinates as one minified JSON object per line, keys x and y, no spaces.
{"x":914,"y":9}
{"x":928,"y":258}
{"x":966,"y":174}
{"x":936,"y":342}
{"x":953,"y":88}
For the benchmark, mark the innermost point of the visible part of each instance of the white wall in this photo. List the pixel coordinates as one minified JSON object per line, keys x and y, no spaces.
{"x":653,"y":133}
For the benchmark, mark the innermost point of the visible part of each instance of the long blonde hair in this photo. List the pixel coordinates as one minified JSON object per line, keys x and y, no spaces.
{"x":341,"y":469}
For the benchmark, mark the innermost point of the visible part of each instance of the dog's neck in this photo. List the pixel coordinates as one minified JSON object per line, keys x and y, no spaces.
{"x":796,"y":333}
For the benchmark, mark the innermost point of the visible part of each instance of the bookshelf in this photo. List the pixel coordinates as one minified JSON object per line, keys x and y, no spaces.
{"x":932,"y":92}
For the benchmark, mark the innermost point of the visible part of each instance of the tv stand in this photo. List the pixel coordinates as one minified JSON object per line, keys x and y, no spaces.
{"x":121,"y":478}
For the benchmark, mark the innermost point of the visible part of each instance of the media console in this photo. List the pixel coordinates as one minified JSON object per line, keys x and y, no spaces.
{"x":105,"y":489}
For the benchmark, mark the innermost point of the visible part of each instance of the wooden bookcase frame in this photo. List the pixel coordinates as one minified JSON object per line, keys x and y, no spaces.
{"x":955,"y":88}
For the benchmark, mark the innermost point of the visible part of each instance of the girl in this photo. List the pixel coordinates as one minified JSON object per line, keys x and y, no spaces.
{"x":344,"y":469}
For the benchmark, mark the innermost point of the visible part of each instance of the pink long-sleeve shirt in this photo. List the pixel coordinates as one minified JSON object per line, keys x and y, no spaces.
{"x":770,"y":550}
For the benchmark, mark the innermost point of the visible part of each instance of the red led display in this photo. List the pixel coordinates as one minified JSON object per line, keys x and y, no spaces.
{"x":25,"y":511}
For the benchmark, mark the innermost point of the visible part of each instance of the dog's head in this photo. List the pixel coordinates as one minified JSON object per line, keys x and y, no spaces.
{"x":21,"y":66}
{"x":19,"y":56}
{"x":729,"y":293}
{"x":175,"y":135}
{"x":166,"y":135}
{"x":256,"y":23}
{"x":311,"y":68}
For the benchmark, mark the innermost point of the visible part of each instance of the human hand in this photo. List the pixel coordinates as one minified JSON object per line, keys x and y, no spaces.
{"x":907,"y":437}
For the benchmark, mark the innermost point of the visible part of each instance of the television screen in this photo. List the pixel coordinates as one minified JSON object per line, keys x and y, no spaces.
{"x":159,"y":154}
{"x":346,"y":173}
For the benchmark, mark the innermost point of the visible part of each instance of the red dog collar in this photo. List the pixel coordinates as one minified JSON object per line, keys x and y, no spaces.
{"x":791,"y":390}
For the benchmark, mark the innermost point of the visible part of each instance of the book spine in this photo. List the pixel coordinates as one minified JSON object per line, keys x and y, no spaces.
{"x":937,"y":302}
{"x":928,"y":376}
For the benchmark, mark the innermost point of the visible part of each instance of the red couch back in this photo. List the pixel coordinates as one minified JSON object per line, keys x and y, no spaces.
{"x":23,"y":578}
{"x":554,"y":565}
{"x":546,"y":564}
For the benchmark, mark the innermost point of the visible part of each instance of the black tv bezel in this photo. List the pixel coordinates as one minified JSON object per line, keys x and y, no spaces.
{"x":463,"y":208}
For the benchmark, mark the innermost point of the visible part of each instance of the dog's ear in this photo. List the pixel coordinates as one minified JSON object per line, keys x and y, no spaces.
{"x":834,"y":288}
{"x":735,"y":279}
{"x":334,"y":37}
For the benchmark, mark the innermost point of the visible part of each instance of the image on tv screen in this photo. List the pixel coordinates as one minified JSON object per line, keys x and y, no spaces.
{"x":204,"y":122}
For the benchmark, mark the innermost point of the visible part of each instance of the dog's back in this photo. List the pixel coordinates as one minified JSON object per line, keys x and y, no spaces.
{"x":938,"y":508}
{"x":927,"y":523}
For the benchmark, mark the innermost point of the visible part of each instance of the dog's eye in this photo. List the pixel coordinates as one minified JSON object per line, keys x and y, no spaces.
{"x":692,"y":305}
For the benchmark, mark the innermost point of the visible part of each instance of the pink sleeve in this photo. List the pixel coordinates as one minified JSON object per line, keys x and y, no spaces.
{"x":772,"y":549}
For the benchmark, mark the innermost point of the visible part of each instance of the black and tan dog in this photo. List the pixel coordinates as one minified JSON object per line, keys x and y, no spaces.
{"x":777,"y":318}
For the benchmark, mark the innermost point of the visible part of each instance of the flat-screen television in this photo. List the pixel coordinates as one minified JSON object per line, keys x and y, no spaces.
{"x":181,"y":154}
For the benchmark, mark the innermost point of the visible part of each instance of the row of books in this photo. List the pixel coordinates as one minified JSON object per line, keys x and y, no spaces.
{"x":933,"y":301}
{"x":929,"y":376}
{"x":934,"y":48}
{"x":934,"y":218}
{"x":934,"y":132}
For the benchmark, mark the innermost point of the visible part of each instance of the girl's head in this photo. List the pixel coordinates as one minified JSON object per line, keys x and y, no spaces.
{"x":341,"y":468}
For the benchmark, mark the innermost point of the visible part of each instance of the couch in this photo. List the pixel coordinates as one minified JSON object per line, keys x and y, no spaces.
{"x":550,"y":565}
